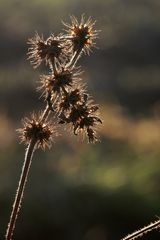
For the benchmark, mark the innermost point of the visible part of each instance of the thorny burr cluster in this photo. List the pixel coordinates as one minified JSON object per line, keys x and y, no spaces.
{"x":64,"y":93}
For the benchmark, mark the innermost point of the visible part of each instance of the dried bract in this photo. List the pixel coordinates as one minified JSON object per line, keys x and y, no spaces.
{"x":33,"y":128}
{"x":59,"y":81}
{"x":82,"y":114}
{"x":70,"y":99}
{"x":54,"y":48}
{"x":81,"y":34}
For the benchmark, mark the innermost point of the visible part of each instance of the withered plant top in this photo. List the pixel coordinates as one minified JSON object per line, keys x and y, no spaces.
{"x":63,"y":91}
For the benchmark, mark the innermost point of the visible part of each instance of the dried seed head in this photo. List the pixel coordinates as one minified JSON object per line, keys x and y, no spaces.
{"x":85,"y":119}
{"x":83,"y":115}
{"x":41,"y":132}
{"x":64,"y":93}
{"x":59,"y":81}
{"x":70,"y":99}
{"x":37,"y":51}
{"x":81,"y":34}
{"x":49,"y":50}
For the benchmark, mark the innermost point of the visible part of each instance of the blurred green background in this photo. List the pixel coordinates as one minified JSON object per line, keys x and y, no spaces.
{"x":78,"y":191}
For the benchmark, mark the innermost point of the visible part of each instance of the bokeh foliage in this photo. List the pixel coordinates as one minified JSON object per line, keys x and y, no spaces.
{"x":77,"y":190}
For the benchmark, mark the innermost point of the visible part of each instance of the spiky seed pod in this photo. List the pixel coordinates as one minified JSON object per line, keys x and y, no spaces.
{"x":70,"y":99}
{"x":92,"y":137}
{"x":57,"y":49}
{"x":49,"y":50}
{"x":43,"y":133}
{"x":83,"y":120}
{"x":59,"y":81}
{"x":83,"y":115}
{"x":81,"y":34}
{"x":37,"y":51}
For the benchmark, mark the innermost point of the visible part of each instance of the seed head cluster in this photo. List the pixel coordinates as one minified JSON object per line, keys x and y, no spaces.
{"x":49,"y":51}
{"x":81,"y":34}
{"x":42,"y":132}
{"x":64,"y":92}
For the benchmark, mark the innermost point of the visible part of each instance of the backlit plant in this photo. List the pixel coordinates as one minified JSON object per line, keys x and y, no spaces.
{"x":64,"y":93}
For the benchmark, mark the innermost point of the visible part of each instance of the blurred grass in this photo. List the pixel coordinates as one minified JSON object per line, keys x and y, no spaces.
{"x":77,"y":190}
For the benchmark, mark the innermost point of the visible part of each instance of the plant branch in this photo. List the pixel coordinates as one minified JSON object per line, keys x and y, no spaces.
{"x":48,"y":109}
{"x":20,"y":189}
{"x":74,"y":59}
{"x":45,"y":113}
{"x":142,"y":231}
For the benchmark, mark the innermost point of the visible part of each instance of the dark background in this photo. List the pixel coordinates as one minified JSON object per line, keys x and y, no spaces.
{"x":78,"y":191}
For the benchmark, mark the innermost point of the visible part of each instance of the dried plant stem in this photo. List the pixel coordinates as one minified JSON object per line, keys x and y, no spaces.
{"x":74,"y":59}
{"x":45,"y":113}
{"x":143,"y":231}
{"x":53,"y":66}
{"x":20,"y":190}
{"x":48,"y":110}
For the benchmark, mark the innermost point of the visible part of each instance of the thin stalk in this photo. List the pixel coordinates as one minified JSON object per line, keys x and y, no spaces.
{"x":45,"y":113}
{"x":74,"y":59}
{"x":53,"y":66}
{"x":47,"y":110}
{"x":143,"y":231}
{"x":20,"y":189}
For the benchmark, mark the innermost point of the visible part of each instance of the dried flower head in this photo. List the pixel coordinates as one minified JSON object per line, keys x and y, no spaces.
{"x":70,"y":99}
{"x":49,"y":50}
{"x":83,"y":115}
{"x":59,"y":81}
{"x":81,"y":34}
{"x":33,"y":128}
